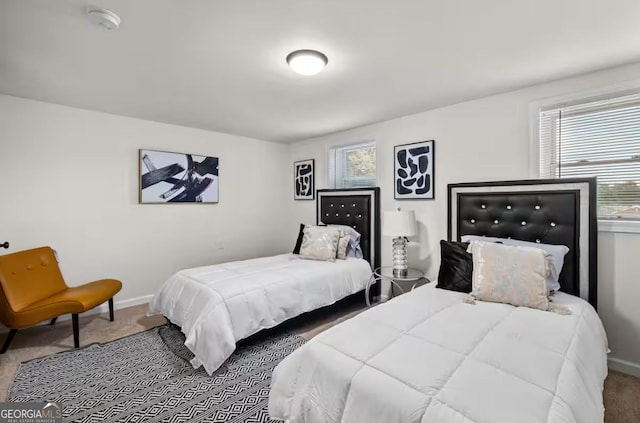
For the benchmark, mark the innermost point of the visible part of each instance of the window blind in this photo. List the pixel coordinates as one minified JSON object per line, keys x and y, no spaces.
{"x":599,"y":137}
{"x":353,"y":166}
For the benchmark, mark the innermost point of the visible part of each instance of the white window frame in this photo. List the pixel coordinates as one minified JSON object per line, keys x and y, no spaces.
{"x":604,"y":225}
{"x":329,"y":167}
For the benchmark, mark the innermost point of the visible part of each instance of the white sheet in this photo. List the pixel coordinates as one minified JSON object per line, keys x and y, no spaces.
{"x":428,"y":357}
{"x":218,"y":305}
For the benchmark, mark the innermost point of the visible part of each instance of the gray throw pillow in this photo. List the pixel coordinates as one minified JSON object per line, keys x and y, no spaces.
{"x":320,"y":243}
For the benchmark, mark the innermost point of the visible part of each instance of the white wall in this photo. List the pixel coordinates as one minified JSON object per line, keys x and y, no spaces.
{"x":484,"y":140}
{"x":70,"y":180}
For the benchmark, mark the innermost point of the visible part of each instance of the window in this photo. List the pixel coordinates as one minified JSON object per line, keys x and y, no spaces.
{"x":352,"y":166}
{"x":596,"y":137}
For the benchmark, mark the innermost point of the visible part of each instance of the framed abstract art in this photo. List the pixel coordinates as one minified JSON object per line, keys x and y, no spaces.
{"x":304,"y":180}
{"x":167,"y":177}
{"x":413,"y":171}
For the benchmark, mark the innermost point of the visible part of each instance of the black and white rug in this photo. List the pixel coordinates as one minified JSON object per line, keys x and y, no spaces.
{"x":147,"y":378}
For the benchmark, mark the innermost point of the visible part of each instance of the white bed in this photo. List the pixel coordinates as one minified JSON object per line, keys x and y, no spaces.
{"x":218,"y":305}
{"x":429,"y":357}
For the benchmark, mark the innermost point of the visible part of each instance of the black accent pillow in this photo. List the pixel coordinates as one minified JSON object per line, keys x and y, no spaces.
{"x":296,"y":249}
{"x":456,"y":267}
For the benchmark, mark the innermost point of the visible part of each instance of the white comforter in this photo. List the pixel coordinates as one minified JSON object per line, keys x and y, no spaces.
{"x":218,"y":305}
{"x":428,"y":357}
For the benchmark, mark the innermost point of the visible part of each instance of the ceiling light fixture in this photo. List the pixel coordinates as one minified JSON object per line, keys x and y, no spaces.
{"x":104,"y":18}
{"x":307,"y":62}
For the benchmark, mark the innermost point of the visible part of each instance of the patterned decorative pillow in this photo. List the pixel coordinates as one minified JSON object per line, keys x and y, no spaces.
{"x":320,"y":243}
{"x":511,"y":275}
{"x":343,"y":244}
{"x":557,"y":252}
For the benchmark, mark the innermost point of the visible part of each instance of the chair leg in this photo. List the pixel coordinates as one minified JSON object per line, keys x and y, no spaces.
{"x":111,"y":309}
{"x":53,"y":321}
{"x":8,"y":340}
{"x":76,"y":330}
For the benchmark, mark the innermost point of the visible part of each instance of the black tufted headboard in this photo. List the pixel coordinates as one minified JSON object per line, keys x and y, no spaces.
{"x":355,"y":207}
{"x":550,"y":211}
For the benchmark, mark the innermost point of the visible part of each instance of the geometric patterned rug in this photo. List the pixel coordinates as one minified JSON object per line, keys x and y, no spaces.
{"x":147,"y":377}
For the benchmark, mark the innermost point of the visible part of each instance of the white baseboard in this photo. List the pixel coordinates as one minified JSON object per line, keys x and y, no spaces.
{"x":624,"y":366}
{"x":104,"y":308}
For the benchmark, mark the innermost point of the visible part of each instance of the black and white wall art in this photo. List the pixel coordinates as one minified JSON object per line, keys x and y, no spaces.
{"x":414,"y":171}
{"x":304,"y":180}
{"x":178,"y":178}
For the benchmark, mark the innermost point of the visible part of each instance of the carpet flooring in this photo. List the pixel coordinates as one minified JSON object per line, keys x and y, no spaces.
{"x":621,"y":393}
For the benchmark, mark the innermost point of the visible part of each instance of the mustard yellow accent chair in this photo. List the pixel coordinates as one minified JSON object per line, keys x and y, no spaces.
{"x":33,"y":290}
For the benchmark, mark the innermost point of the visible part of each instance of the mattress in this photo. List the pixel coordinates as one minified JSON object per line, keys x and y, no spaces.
{"x":218,"y":305}
{"x":427,"y":356}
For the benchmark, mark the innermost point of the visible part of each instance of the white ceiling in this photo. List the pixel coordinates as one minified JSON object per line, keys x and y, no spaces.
{"x":220,"y":65}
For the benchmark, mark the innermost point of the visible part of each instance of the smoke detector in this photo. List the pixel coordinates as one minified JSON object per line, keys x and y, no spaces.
{"x":104,"y":18}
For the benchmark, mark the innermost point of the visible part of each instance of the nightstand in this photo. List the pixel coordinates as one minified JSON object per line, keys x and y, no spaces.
{"x":405,"y":282}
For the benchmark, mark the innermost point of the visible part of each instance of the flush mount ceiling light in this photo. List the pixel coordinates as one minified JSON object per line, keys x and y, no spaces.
{"x":307,"y":62}
{"x":104,"y":18}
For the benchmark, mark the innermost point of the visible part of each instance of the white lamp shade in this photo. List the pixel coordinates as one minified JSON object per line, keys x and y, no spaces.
{"x":399,"y":223}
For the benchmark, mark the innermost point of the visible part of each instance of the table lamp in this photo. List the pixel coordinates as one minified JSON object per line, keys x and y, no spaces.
{"x":399,"y":225}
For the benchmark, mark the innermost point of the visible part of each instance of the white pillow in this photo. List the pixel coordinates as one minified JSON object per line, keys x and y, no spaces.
{"x":320,"y":243}
{"x":512,"y":275}
{"x":343,"y":244}
{"x":557,"y":253}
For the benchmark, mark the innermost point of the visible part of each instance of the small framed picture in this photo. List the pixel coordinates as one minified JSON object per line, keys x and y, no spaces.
{"x":304,"y":180}
{"x":413,"y":171}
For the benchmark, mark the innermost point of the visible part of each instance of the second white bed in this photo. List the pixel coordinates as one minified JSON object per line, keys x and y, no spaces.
{"x":218,"y":305}
{"x":429,"y":357}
